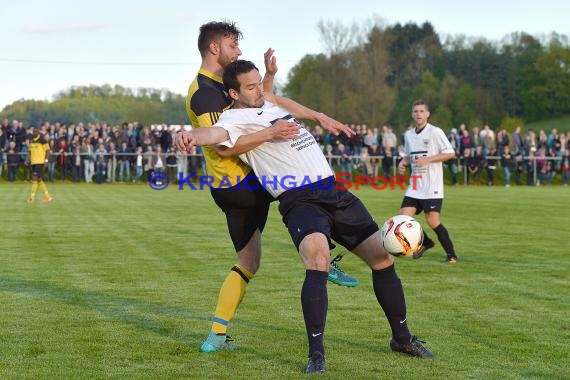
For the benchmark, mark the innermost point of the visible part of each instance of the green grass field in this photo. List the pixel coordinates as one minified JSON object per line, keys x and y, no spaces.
{"x":562,"y":124}
{"x":117,"y":282}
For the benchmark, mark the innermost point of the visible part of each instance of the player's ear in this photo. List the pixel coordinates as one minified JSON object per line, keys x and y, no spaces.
{"x":214,"y":47}
{"x":233,"y":94}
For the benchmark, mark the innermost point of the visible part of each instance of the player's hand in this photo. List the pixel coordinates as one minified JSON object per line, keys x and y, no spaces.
{"x":284,"y":130}
{"x":402,"y":168}
{"x":422,"y":161}
{"x":333,"y":126}
{"x":185,"y":141}
{"x":270,"y":62}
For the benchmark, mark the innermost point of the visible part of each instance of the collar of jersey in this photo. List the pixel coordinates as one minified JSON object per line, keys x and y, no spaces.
{"x":416,"y":129}
{"x":210,"y":75}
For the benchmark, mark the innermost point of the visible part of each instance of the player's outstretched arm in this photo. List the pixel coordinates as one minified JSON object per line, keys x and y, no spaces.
{"x":299,"y":111}
{"x":280,"y":130}
{"x":185,"y":141}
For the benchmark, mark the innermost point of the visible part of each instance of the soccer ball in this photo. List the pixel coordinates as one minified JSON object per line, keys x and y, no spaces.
{"x":402,"y":235}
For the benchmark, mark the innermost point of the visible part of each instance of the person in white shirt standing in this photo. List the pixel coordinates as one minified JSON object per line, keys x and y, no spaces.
{"x":426,"y":148}
{"x":314,"y":209}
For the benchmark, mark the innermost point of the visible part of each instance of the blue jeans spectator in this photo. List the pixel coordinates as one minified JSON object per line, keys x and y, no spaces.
{"x":345,"y":166}
{"x":51,"y":170}
{"x":12,"y":170}
{"x":138,"y":174}
{"x":100,"y":172}
{"x":124,"y":166}
{"x":507,"y":172}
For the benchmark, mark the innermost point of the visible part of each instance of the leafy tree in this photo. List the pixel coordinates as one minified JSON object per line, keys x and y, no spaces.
{"x":104,"y":104}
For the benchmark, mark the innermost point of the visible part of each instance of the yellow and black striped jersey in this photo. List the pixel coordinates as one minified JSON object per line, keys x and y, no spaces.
{"x":38,"y":149}
{"x":205,"y":102}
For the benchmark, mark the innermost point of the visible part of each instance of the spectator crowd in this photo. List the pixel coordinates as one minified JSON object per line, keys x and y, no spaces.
{"x":100,"y":152}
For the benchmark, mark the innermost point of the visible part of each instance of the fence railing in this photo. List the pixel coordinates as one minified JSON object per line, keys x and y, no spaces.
{"x":359,"y":164}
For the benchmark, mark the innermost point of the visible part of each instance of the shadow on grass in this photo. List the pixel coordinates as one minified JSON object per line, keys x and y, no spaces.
{"x":141,"y":314}
{"x":147,"y":316}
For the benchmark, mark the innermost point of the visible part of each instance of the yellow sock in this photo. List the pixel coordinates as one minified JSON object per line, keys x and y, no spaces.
{"x":43,"y":188}
{"x":34,"y":188}
{"x":230,"y":297}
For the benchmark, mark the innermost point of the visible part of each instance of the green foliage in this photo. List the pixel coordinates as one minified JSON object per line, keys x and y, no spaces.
{"x":476,"y":81}
{"x":510,"y":123}
{"x":306,"y":83}
{"x":99,"y":285}
{"x":104,"y":104}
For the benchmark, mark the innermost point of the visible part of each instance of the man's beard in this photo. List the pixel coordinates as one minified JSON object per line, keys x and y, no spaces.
{"x":224,"y":60}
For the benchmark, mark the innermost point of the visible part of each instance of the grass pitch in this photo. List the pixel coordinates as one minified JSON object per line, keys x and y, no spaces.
{"x":116,"y":282}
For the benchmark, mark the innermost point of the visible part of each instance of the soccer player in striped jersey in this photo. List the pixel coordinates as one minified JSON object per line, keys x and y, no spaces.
{"x":313,"y":208}
{"x":245,"y":208}
{"x":39,"y":149}
{"x":426,"y":148}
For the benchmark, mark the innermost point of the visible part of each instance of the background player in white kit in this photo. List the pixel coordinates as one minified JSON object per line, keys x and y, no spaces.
{"x":426,"y":148}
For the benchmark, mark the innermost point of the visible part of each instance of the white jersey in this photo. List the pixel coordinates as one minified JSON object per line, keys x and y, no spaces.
{"x":280,"y":164}
{"x":430,"y":141}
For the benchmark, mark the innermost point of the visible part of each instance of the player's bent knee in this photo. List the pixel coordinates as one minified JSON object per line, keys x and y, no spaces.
{"x":318,"y":262}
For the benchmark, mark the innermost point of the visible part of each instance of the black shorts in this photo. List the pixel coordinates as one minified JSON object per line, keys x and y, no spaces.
{"x":338,"y":214}
{"x":38,"y":171}
{"x":433,"y":204}
{"x":246,"y":210}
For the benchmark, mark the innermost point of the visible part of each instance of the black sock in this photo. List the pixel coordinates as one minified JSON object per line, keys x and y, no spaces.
{"x":315,"y":302}
{"x":427,"y":241}
{"x":443,"y":237}
{"x":390,"y":295}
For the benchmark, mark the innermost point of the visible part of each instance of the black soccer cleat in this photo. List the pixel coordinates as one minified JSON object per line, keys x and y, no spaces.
{"x":414,"y":348}
{"x":316,"y":363}
{"x":420,"y":252}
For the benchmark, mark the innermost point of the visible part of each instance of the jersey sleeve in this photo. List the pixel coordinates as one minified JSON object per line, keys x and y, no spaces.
{"x":208,"y":104}
{"x":443,"y":143}
{"x":238,"y":122}
{"x":234,"y":131}
{"x":407,"y":149}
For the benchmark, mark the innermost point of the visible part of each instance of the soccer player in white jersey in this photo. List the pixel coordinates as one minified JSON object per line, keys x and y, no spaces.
{"x":313,"y":208}
{"x":426,"y":148}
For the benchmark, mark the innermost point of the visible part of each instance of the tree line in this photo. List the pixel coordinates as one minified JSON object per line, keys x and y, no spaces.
{"x":370,"y":74}
{"x":102,"y":104}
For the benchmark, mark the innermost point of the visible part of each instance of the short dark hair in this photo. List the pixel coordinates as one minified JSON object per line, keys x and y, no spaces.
{"x":231,"y":72}
{"x":216,"y":30}
{"x":420,"y":102}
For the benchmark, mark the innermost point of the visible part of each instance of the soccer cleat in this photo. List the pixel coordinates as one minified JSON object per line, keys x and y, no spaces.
{"x":337,"y":275}
{"x":414,"y":348}
{"x":31,"y":200}
{"x":451,"y":259}
{"x":316,"y":363}
{"x":420,"y":252}
{"x":47,"y":199}
{"x":215,"y":342}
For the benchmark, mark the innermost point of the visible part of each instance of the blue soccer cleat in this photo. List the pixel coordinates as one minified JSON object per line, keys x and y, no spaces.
{"x":337,"y":275}
{"x":215,"y":342}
